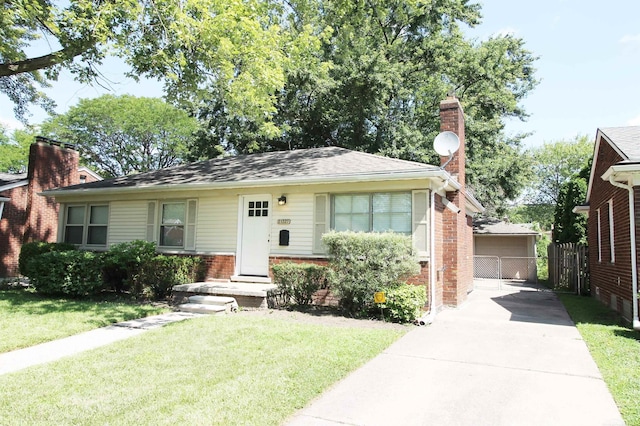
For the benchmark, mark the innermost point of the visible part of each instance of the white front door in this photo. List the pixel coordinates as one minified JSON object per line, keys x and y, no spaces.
{"x":254,"y":241}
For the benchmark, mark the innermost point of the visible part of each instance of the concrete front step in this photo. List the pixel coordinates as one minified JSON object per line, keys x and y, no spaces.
{"x":215,"y":300}
{"x":200,"y":308}
{"x":247,"y":295}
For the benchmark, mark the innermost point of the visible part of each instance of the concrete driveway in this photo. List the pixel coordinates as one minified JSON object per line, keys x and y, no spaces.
{"x":506,"y":357}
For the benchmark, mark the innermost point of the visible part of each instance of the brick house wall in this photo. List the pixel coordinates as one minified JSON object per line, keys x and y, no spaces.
{"x":12,"y":229}
{"x":29,"y":216}
{"x":610,"y":281}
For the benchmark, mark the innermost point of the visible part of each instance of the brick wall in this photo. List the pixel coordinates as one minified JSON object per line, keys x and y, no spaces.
{"x":610,"y":281}
{"x":12,"y":229}
{"x":29,"y":216}
{"x":457,"y":238}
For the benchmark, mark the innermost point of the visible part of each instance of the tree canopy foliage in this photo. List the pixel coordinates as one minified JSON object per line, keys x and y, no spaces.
{"x":14,"y":150}
{"x":555,"y":163}
{"x":270,"y":74}
{"x":387,"y":66}
{"x":121,"y":135}
{"x":237,"y":48}
{"x":570,"y":227}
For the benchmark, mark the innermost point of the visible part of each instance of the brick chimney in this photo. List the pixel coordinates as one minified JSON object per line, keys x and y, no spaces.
{"x":52,"y":164}
{"x":452,"y":119}
{"x":457,"y":230}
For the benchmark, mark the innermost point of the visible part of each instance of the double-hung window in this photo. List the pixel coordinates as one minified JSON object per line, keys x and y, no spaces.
{"x":86,"y":225}
{"x":174,"y":221}
{"x":172,"y":224}
{"x":375,"y":212}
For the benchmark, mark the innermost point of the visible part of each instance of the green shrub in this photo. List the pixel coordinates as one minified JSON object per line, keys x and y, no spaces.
{"x":155,"y":277}
{"x":298,"y":282}
{"x":405,"y":302}
{"x":123,"y":261}
{"x":30,"y":250}
{"x":363,"y":263}
{"x":70,"y":273}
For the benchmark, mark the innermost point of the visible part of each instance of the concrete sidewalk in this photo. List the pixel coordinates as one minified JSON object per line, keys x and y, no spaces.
{"x":506,"y":357}
{"x":54,"y":350}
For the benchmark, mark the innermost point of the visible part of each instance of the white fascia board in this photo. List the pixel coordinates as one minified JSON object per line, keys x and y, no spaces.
{"x":5,"y":199}
{"x":452,"y":184}
{"x":13,"y":185}
{"x":623,"y":172}
{"x":581,"y":209}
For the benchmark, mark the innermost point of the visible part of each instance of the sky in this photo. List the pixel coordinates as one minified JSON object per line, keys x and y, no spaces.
{"x":588,"y":67}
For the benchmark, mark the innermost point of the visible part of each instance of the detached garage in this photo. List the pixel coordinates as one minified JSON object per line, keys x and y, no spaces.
{"x":504,"y":250}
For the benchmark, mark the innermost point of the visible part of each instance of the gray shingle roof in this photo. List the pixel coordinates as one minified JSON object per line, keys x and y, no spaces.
{"x":11,"y":178}
{"x":491,"y":226}
{"x":271,"y":166}
{"x":626,"y":139}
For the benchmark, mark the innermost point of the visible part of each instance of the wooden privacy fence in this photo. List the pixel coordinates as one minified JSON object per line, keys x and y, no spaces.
{"x":569,"y":267}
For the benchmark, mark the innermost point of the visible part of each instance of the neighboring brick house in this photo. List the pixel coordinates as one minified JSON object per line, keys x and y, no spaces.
{"x":613,"y":208}
{"x":244,"y":213}
{"x":24,"y":214}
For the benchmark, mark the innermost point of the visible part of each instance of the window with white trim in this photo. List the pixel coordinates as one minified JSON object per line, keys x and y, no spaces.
{"x":177,"y":223}
{"x":611,"y":233}
{"x":86,"y":224}
{"x":373,"y":212}
{"x":172,"y":218}
{"x":599,"y":234}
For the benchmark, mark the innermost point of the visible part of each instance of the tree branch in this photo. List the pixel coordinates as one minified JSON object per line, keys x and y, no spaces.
{"x":33,"y":64}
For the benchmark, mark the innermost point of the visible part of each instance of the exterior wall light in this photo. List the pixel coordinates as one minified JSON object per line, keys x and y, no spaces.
{"x":282,"y":200}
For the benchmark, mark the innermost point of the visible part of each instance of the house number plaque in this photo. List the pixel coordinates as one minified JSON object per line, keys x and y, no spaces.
{"x":284,"y":221}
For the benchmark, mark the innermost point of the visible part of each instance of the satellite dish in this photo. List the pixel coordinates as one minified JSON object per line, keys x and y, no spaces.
{"x":446,"y":143}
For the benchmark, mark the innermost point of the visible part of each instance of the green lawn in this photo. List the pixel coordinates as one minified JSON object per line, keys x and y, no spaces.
{"x":615,"y":349}
{"x":211,"y":370}
{"x":27,"y":319}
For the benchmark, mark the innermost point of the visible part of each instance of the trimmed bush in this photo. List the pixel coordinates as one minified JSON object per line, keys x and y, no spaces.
{"x":30,"y":250}
{"x":123,"y":261}
{"x":155,"y":277}
{"x":69,"y":273}
{"x":298,"y":282}
{"x":405,"y":302}
{"x":363,"y":263}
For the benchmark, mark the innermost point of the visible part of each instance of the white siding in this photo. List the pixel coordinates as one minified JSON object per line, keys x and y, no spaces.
{"x":299,"y":209}
{"x":217,"y":224}
{"x":127,"y":221}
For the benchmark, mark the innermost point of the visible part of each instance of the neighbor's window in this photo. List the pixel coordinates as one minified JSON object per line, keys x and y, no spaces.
{"x":612,"y":242}
{"x":172,"y":224}
{"x":81,"y":228}
{"x":377,"y":212}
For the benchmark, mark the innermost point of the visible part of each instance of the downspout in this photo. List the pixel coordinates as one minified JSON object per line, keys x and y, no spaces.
{"x":432,"y":254}
{"x":632,"y":238}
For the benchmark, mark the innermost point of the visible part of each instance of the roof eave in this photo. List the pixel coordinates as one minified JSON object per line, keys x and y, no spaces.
{"x":623,"y":172}
{"x":14,"y":185}
{"x":452,"y":184}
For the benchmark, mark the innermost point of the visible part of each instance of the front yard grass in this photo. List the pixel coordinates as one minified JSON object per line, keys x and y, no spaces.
{"x":27,"y":318}
{"x":210,"y":370}
{"x":615,"y":349}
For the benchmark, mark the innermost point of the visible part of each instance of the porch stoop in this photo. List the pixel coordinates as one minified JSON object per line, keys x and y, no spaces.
{"x":247,"y":294}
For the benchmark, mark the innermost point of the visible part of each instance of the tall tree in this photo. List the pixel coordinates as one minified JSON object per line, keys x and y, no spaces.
{"x":570,"y":227}
{"x":555,"y":163}
{"x":120,"y":135}
{"x":14,"y":150}
{"x":384,"y":68}
{"x":239,"y":48}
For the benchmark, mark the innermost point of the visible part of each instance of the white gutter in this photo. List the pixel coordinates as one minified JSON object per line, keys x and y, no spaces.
{"x":632,"y":237}
{"x":428,"y":319}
